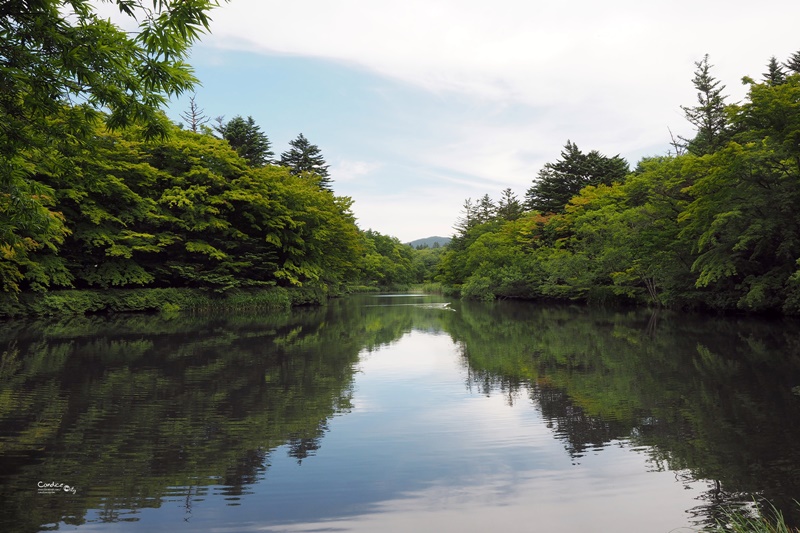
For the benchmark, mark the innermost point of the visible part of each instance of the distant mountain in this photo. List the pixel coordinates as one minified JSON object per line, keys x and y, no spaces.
{"x":430,"y":242}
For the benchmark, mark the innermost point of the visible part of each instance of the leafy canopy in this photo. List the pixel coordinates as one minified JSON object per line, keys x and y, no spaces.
{"x":60,"y":66}
{"x":59,"y":53}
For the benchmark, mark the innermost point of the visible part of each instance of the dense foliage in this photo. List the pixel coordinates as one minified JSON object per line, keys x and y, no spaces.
{"x":712,"y":226}
{"x":60,"y":65}
{"x":185,"y":212}
{"x":188,"y":211}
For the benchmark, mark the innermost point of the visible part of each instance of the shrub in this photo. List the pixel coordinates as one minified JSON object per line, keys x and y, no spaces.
{"x":478,"y":288}
{"x":76,"y":302}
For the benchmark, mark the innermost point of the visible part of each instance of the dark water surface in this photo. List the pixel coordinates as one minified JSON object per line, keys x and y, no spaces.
{"x":397,"y":413}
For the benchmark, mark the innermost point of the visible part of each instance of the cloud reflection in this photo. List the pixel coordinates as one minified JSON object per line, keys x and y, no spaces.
{"x":577,"y":499}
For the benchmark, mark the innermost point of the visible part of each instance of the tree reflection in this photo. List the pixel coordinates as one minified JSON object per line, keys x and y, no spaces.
{"x":154,"y":408}
{"x":708,"y":397}
{"x":141,"y":406}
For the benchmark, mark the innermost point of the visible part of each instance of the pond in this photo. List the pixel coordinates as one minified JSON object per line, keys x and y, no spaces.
{"x":397,"y":413}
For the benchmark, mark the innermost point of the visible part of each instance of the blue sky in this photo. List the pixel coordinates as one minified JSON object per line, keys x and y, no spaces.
{"x":421,"y":104}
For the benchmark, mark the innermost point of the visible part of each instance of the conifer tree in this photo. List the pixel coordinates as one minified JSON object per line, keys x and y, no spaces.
{"x":509,"y":207}
{"x":467,"y":220}
{"x":774,"y":74}
{"x":304,"y":157}
{"x":559,"y":182}
{"x":793,"y":64}
{"x":485,"y":210}
{"x":246,"y":137}
{"x":709,"y":117}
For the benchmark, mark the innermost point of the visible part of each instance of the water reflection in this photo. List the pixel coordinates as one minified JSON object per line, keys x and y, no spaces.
{"x":396,"y":413}
{"x":707,"y":397}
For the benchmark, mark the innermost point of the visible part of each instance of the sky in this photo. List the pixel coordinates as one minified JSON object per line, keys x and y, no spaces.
{"x":421,"y":104}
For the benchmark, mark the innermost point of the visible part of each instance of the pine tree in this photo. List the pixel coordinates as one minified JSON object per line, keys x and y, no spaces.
{"x":467,"y":220}
{"x":774,"y":74}
{"x":246,"y":137}
{"x":509,"y":207}
{"x":559,"y":182}
{"x":304,"y":157}
{"x":793,"y":64}
{"x":485,"y":210}
{"x":709,"y":117}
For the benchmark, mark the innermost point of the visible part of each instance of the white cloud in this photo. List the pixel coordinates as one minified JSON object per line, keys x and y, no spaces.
{"x":604,"y":69}
{"x":533,"y":52}
{"x":348,"y":170}
{"x":610,"y":76}
{"x":416,"y":213}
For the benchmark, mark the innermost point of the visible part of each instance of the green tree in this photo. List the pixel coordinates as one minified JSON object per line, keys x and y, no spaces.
{"x":509,"y":207}
{"x":623,"y":240}
{"x":58,"y":53}
{"x":498,"y":264}
{"x":454,"y":269}
{"x":426,"y":262}
{"x":743,"y":214}
{"x":304,"y":158}
{"x":59,"y":60}
{"x":246,"y":137}
{"x":709,"y":117}
{"x":793,"y":63}
{"x":387,"y":263}
{"x":321,"y":242}
{"x":196,"y":176}
{"x":189,"y":212}
{"x":660,"y":260}
{"x":237,"y":226}
{"x":774,"y":74}
{"x":467,"y":220}
{"x":558,"y":182}
{"x":715,"y":229}
{"x":106,"y":196}
{"x":485,"y":209}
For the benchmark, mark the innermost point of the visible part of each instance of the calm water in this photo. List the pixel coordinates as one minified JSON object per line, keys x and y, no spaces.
{"x":403,"y":413}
